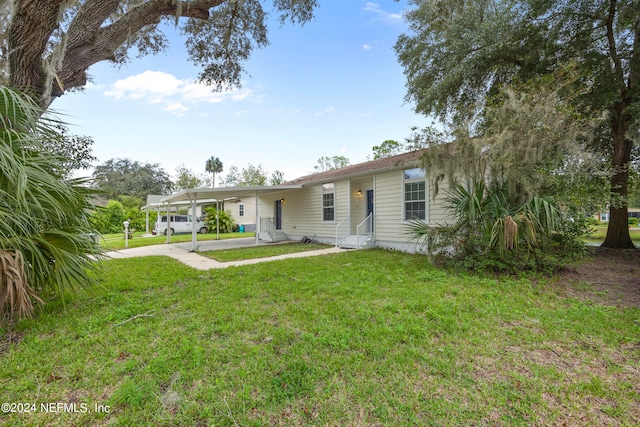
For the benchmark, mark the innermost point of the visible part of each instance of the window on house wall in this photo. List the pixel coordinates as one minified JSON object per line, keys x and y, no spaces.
{"x":328,"y":202}
{"x":415,"y":194}
{"x":240,"y":210}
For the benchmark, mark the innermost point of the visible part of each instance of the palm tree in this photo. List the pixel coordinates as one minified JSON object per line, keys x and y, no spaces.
{"x":214,"y":165}
{"x":45,"y":237}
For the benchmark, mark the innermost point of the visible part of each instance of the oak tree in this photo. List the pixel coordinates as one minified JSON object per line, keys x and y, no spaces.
{"x":460,"y":54}
{"x":125,"y":177}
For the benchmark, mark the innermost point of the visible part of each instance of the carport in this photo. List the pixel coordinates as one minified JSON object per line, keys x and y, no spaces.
{"x":194,"y":196}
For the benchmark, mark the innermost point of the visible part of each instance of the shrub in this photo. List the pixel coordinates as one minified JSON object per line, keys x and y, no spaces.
{"x":226,"y":221}
{"x":492,"y":232}
{"x":592,"y":221}
{"x":109,"y":219}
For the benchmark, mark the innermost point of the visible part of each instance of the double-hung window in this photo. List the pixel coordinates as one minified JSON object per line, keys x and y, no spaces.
{"x":415,"y":194}
{"x":328,"y":202}
{"x":240,"y":210}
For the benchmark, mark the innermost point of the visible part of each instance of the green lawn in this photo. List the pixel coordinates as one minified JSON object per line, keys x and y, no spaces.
{"x":357,"y":338}
{"x":116,"y":241}
{"x":599,"y":232}
{"x":261,"y":251}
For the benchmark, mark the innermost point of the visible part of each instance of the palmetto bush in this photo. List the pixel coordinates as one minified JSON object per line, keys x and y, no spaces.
{"x":493,"y":230}
{"x":45,"y":237}
{"x":219,"y":218}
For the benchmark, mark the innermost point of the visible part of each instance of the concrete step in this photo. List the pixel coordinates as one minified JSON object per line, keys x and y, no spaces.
{"x":356,"y":242}
{"x":266,"y":237}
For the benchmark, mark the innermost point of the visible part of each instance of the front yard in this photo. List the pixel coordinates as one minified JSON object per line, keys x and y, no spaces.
{"x":358,"y":338}
{"x":116,"y":241}
{"x":599,"y":232}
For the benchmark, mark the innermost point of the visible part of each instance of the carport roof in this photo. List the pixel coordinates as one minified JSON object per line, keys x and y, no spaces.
{"x":223,"y":193}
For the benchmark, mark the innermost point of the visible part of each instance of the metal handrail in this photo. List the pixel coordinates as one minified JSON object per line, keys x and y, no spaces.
{"x":267,"y":225}
{"x":369,"y":232}
{"x":347,"y":218}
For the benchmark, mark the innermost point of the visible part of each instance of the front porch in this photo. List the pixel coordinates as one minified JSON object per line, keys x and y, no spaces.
{"x":268,"y":231}
{"x":362,"y":238}
{"x":341,"y":214}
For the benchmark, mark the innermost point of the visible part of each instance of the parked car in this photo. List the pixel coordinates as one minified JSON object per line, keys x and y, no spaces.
{"x":179,"y":224}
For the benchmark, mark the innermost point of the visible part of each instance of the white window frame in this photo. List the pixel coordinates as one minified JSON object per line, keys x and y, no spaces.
{"x":414,"y":176}
{"x":240,"y":210}
{"x":329,"y":188}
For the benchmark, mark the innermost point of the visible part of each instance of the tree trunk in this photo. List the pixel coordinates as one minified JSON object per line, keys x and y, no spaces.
{"x":31,"y":25}
{"x":618,"y":231}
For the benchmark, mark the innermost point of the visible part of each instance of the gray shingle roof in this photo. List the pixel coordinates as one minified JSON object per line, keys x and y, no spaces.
{"x":393,"y":162}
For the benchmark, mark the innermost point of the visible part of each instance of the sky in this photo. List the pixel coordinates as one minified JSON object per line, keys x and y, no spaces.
{"x":332,"y":87}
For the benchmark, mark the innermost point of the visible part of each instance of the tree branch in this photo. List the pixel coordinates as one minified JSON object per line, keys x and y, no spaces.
{"x":147,"y":314}
{"x":634,"y":69}
{"x":618,"y":72}
{"x":88,"y":19}
{"x":88,"y":48}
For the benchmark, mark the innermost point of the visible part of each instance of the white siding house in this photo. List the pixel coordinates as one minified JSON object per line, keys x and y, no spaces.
{"x":359,"y":206}
{"x":363,"y":205}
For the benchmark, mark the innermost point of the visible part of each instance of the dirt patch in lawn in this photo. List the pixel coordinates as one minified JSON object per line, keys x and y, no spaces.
{"x":9,"y":338}
{"x":606,"y":276}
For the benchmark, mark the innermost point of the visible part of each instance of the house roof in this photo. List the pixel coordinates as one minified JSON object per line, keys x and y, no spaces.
{"x":222,"y":193}
{"x":154,"y":198}
{"x":387,"y":163}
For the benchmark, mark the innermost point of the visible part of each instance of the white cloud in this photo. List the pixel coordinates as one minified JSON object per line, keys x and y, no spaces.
{"x":382,"y":14}
{"x":176,"y":107}
{"x":327,"y":110}
{"x":175,"y":95}
{"x":367,"y":46}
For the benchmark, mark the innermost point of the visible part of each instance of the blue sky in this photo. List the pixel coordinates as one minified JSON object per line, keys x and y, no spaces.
{"x":330,"y":87}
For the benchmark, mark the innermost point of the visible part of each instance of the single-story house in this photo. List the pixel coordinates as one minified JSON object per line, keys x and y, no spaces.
{"x":359,"y":206}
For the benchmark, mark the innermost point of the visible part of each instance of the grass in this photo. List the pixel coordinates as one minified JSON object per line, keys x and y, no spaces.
{"x":116,"y":241}
{"x":261,"y":251}
{"x":599,"y":232}
{"x":357,"y":338}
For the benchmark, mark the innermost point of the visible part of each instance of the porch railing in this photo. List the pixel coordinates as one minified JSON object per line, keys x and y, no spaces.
{"x":342,"y":229}
{"x":365,"y":228}
{"x":268,"y":226}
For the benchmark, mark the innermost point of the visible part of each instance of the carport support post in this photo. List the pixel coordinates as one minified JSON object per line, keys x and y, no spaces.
{"x":168,"y":223}
{"x":257,"y":219}
{"x":194,"y":223}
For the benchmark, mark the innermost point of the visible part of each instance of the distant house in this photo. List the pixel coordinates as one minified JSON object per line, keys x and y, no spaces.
{"x":359,"y":206}
{"x":604,"y":215}
{"x":243,"y":211}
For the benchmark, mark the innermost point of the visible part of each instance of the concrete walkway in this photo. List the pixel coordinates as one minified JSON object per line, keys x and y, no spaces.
{"x":180,"y":251}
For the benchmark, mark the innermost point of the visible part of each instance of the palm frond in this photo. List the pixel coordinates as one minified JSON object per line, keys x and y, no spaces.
{"x":16,"y":296}
{"x":43,"y":217}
